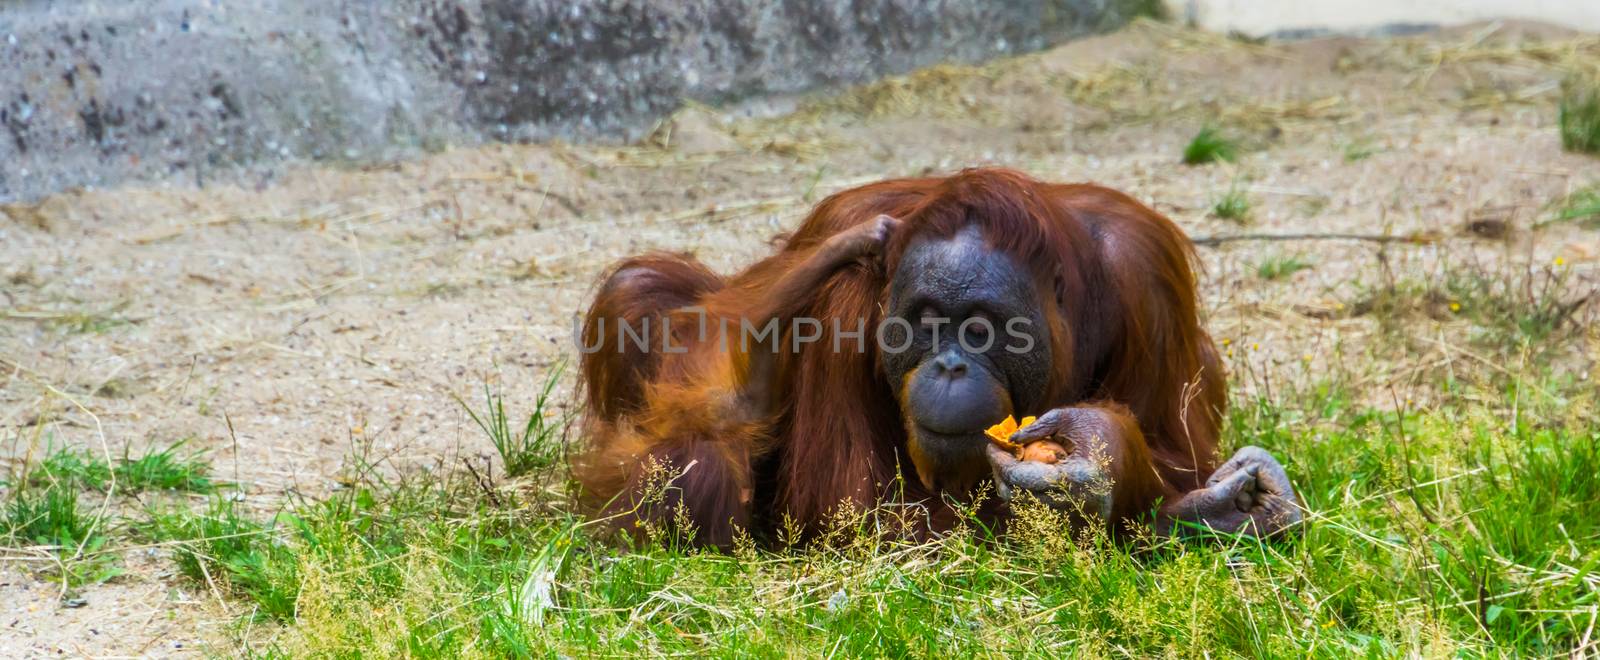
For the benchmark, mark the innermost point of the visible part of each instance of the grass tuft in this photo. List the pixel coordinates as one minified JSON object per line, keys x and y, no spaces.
{"x":1209,"y":145}
{"x":156,"y":469}
{"x":73,"y":468}
{"x":1152,"y":9}
{"x":53,"y":518}
{"x":222,"y":546}
{"x":47,"y":516}
{"x":1579,"y":116}
{"x":1234,"y":205}
{"x":1280,"y":267}
{"x":166,"y":470}
{"x":1582,"y":206}
{"x":1358,"y":150}
{"x":43,"y":506}
{"x":533,"y":445}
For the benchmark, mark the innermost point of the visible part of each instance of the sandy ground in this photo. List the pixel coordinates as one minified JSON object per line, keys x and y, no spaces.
{"x":324,"y":309}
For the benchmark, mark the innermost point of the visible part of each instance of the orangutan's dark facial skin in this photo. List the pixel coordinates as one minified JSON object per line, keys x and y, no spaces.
{"x":977,"y":351}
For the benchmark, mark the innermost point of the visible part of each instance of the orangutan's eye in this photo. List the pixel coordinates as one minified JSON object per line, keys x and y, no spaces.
{"x":976,"y":329}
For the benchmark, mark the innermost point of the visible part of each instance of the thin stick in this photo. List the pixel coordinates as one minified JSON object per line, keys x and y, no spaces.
{"x":215,"y":592}
{"x":485,"y":484}
{"x":1209,"y":241}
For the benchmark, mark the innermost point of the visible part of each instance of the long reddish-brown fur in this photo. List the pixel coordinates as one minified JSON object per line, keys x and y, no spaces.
{"x":1117,"y":285}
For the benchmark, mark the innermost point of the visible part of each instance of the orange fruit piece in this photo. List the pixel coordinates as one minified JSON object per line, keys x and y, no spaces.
{"x":1000,"y":433}
{"x":1043,"y":451}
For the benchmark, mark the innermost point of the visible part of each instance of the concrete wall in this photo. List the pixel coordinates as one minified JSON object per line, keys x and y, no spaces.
{"x":1308,"y":17}
{"x":95,"y":92}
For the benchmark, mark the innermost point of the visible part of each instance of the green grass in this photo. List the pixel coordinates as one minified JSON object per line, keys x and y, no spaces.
{"x":1470,"y":527}
{"x":1523,"y":308}
{"x":1579,"y":116}
{"x":1466,"y":526}
{"x":156,"y":469}
{"x":44,"y":504}
{"x":1437,"y":533}
{"x":166,"y":470}
{"x":71,"y":466}
{"x":1582,"y":206}
{"x":1154,"y":9}
{"x":1233,"y":205}
{"x":91,"y":323}
{"x":1452,"y":531}
{"x":1209,"y":145}
{"x":1358,"y":150}
{"x":47,"y":516}
{"x":53,"y":522}
{"x":1512,"y":313}
{"x":1280,"y":267}
{"x":535,"y":444}
{"x":223,"y":546}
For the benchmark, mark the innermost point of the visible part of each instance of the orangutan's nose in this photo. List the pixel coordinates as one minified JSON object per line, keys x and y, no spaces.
{"x":951,"y":394}
{"x":951,"y":365}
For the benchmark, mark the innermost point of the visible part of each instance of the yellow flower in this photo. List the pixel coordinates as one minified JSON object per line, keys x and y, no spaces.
{"x":1560,"y":261}
{"x":1255,"y":347}
{"x":1226,"y":341}
{"x":1455,"y":306}
{"x":1306,"y":357}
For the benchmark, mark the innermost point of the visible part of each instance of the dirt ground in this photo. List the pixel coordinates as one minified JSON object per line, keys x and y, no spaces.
{"x":323,"y":309}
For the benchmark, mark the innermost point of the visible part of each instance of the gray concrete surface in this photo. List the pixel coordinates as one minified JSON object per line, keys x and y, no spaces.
{"x":1278,"y":18}
{"x":97,"y":92}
